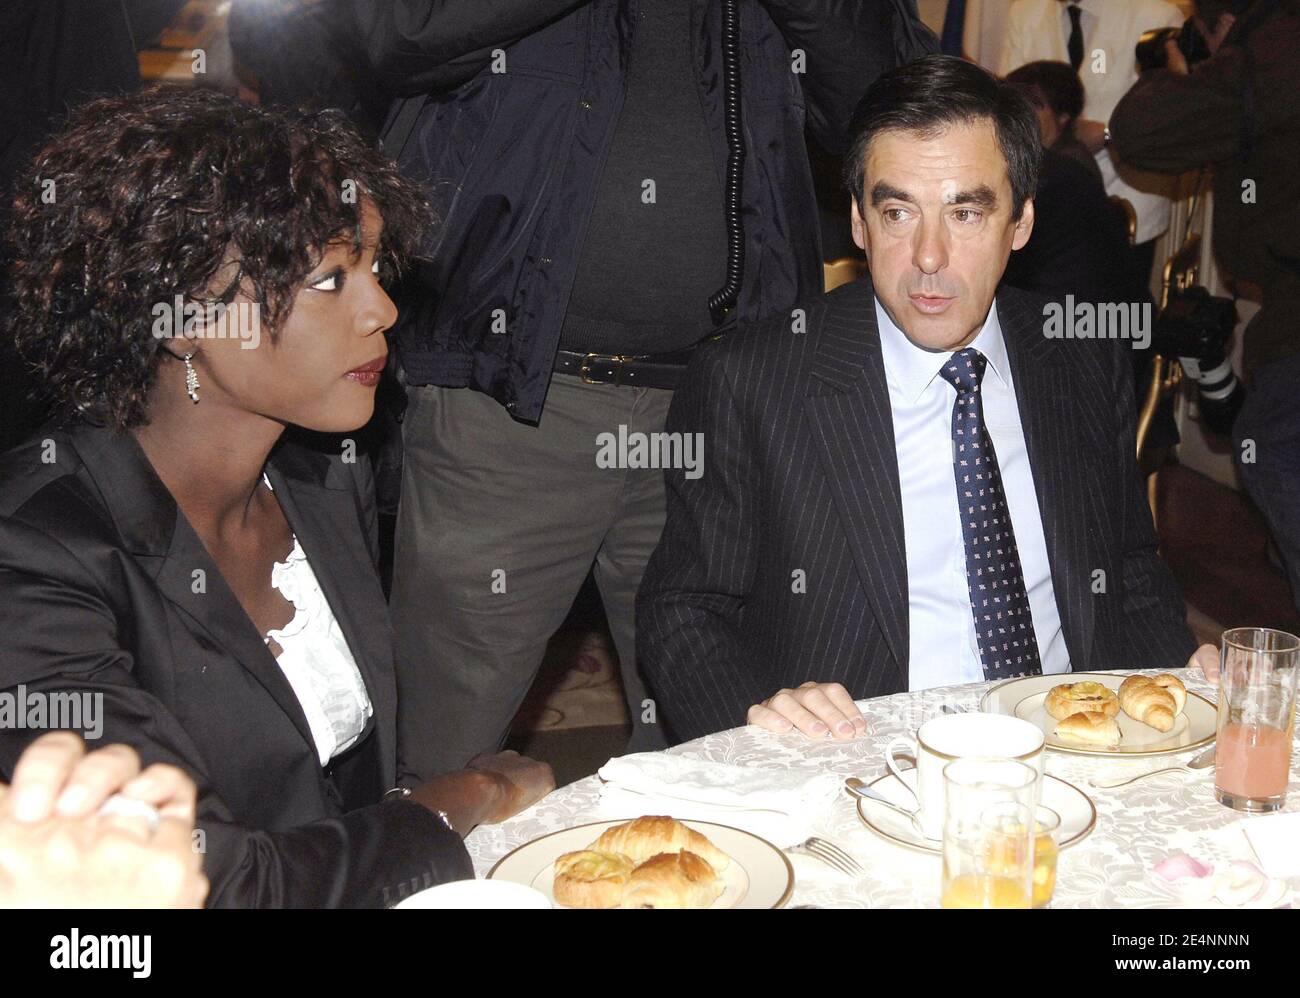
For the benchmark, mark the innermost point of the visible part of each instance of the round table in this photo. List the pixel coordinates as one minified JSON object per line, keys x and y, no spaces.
{"x":1137,"y":825}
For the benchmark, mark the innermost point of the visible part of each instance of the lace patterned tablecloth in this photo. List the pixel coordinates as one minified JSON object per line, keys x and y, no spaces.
{"x":1137,"y":825}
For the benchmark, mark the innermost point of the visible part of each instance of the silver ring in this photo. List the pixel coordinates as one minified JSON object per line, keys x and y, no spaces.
{"x":126,"y":807}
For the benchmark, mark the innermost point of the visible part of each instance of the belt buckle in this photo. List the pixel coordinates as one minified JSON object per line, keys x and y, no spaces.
{"x":586,"y":363}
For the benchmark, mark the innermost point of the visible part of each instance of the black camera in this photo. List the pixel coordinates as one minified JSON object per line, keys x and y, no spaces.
{"x":1195,"y":327}
{"x":1195,"y":324}
{"x":1151,"y":52}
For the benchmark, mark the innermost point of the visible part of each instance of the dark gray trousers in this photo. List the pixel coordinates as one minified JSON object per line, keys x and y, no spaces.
{"x":1269,"y":422}
{"x":498,"y":526}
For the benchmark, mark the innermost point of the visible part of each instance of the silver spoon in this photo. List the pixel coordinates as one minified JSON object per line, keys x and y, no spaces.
{"x":858,"y":788}
{"x":1202,"y":761}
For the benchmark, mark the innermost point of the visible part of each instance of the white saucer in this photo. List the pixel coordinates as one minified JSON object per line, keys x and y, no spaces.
{"x":1078,"y":816}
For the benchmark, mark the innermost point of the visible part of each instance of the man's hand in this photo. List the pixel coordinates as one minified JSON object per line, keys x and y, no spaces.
{"x":1205,"y":660}
{"x":56,"y":850}
{"x":1091,"y":133}
{"x":819,"y":710}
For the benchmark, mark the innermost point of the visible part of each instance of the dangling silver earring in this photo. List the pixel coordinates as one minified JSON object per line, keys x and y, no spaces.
{"x":191,"y":378}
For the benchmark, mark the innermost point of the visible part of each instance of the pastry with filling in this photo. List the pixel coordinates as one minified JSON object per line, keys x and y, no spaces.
{"x":1091,"y":729}
{"x":1084,"y":697}
{"x":591,"y":879}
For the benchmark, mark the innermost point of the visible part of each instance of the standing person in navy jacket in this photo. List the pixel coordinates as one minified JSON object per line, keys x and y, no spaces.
{"x":581,"y":157}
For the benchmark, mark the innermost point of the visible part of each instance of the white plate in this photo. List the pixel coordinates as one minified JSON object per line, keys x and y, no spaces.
{"x":478,"y":894}
{"x":760,"y":875}
{"x":1026,"y":698}
{"x":1078,"y":816}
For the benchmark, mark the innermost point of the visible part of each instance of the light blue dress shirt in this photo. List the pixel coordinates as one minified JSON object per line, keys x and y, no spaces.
{"x":941,"y":629}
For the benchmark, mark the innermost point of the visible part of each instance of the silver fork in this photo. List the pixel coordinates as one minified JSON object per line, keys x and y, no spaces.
{"x":830,"y":854}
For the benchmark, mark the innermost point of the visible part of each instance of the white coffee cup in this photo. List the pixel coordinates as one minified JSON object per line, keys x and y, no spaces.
{"x":463,"y":894}
{"x":942,"y":739}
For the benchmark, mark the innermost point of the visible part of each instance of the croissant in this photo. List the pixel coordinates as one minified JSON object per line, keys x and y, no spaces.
{"x":650,"y":835}
{"x":673,"y":880}
{"x":1174,"y":685}
{"x":1148,"y":702}
{"x":1091,"y":728}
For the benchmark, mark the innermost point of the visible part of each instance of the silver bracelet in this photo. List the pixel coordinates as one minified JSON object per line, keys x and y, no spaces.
{"x":401,"y":793}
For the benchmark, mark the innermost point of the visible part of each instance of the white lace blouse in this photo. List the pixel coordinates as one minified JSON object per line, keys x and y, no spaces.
{"x":316,"y":660}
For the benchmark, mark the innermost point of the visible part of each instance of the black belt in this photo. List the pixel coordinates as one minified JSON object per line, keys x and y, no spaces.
{"x":656,"y":370}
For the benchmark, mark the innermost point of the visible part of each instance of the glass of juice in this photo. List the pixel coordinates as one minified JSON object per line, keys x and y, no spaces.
{"x":988,"y":833}
{"x":1047,"y":827}
{"x":1257,"y":695}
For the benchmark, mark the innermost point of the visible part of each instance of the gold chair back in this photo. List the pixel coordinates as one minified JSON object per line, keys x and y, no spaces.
{"x":1180,"y":273}
{"x":1130,"y":216}
{"x":842,"y":271}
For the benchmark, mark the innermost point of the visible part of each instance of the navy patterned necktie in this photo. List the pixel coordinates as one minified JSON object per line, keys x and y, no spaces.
{"x":1004,"y":626}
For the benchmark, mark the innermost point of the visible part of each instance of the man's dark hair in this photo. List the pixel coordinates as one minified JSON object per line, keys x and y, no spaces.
{"x":1054,"y":85}
{"x":152,"y":193}
{"x":932,"y":93}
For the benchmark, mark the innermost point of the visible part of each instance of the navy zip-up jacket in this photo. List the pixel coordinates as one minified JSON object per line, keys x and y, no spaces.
{"x":522,"y":100}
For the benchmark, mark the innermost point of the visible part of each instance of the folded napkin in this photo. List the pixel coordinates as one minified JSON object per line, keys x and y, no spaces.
{"x":1274,"y":838}
{"x":779,"y":805}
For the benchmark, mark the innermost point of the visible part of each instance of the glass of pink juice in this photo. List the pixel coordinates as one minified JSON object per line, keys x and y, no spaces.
{"x":1258,"y":671}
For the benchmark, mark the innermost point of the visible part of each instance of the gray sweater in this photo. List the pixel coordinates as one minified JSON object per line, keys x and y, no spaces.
{"x":647,"y":269}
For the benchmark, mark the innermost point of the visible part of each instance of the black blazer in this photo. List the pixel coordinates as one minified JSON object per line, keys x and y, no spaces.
{"x":105,"y":588}
{"x":800,"y":474}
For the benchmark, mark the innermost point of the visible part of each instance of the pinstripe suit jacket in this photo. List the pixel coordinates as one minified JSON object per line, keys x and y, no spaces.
{"x":784,"y":560}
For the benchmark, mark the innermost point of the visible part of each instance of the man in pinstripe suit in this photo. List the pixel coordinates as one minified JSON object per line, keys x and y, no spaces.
{"x":908,"y":482}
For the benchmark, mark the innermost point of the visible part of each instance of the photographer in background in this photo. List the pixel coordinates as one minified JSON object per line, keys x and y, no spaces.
{"x":1236,"y":111}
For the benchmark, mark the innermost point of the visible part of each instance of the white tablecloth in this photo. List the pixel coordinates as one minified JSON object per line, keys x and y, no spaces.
{"x":1137,"y":825}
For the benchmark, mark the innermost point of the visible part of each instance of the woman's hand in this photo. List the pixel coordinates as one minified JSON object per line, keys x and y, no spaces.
{"x":57,"y":850}
{"x":491,"y":788}
{"x":819,"y":710}
{"x":525,"y":781}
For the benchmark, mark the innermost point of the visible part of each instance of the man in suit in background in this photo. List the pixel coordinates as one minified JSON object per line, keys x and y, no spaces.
{"x":906,"y":484}
{"x":1098,"y":38}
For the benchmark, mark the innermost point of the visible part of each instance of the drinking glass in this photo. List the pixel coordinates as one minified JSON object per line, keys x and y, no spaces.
{"x":988,"y":833}
{"x":1047,"y":828}
{"x":1257,"y":694}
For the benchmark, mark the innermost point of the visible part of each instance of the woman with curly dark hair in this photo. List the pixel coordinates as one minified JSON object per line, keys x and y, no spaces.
{"x":194,"y":279}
